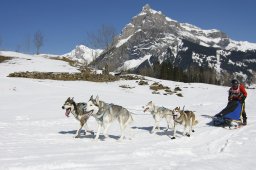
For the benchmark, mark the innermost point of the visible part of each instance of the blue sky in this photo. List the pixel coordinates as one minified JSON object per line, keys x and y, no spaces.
{"x":65,"y":23}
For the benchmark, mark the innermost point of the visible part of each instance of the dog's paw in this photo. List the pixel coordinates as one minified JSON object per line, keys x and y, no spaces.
{"x":106,"y":136}
{"x":77,"y":136}
{"x":173,"y":137}
{"x":91,"y":132}
{"x":95,"y":140}
{"x":120,"y":139}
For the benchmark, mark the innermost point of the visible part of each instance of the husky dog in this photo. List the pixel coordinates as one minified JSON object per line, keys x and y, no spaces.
{"x":158,"y":114}
{"x":77,"y":109}
{"x":105,"y":114}
{"x":187,"y":118}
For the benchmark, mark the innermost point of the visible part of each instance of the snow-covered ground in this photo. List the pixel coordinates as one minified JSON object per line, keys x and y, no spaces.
{"x":36,"y":134}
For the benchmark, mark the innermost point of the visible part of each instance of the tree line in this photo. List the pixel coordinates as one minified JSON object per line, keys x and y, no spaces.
{"x":167,"y":71}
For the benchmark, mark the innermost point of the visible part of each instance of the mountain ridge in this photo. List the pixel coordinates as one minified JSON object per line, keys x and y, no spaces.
{"x":184,"y":45}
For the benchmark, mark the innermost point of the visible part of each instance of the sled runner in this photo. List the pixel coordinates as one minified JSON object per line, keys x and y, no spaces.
{"x":230,"y":116}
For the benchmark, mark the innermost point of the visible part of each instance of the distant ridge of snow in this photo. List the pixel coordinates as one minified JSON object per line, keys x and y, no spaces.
{"x":28,"y":62}
{"x":83,"y":54}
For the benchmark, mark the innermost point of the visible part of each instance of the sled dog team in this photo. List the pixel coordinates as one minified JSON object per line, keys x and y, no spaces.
{"x":106,"y":113}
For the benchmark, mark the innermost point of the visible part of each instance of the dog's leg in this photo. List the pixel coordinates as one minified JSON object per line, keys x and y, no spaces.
{"x":87,"y":129}
{"x":169,"y":123}
{"x":154,"y":127}
{"x":106,"y":124}
{"x":190,"y":126}
{"x":123,"y":126}
{"x":106,"y":127}
{"x":156,"y":124}
{"x":174,"y":131}
{"x":79,"y":130}
{"x":193,"y":123}
{"x":185,"y":128}
{"x":98,"y":131}
{"x":122,"y":132}
{"x":123,"y":123}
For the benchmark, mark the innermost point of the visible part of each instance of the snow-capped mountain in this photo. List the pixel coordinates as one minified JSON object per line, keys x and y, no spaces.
{"x":83,"y":54}
{"x":151,"y":37}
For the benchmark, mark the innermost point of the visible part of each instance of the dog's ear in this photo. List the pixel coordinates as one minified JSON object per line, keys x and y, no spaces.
{"x":72,"y":98}
{"x":91,"y":98}
{"x":97,"y":100}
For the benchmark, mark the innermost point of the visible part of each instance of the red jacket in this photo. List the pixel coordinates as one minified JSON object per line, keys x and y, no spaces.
{"x":238,"y":93}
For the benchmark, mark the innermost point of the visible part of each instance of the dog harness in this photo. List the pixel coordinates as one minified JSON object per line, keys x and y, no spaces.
{"x":102,"y":111}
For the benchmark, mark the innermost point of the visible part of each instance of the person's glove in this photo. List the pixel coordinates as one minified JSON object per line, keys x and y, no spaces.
{"x":230,"y":98}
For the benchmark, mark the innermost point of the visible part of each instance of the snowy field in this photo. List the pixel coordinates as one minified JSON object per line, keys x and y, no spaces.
{"x":36,"y":134}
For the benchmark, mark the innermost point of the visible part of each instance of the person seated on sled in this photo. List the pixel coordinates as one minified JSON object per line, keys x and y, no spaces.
{"x":237,"y":92}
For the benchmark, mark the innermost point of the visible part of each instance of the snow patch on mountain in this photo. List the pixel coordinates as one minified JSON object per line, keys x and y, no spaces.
{"x":131,"y":64}
{"x":241,"y":45}
{"x":122,"y":41}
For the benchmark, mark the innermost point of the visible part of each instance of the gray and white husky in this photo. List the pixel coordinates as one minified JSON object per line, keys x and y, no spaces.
{"x":105,"y":114}
{"x":158,"y":114}
{"x":185,"y":118}
{"x":78,"y":110}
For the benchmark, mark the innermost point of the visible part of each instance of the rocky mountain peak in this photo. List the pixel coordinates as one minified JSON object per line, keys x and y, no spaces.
{"x":153,"y":38}
{"x":146,"y":8}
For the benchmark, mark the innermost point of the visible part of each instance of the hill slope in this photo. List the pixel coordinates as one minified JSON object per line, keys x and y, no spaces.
{"x":35,"y":133}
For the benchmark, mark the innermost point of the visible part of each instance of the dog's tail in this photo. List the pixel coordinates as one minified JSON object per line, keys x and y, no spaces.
{"x":128,"y":123}
{"x":183,"y":108}
{"x":131,"y":118}
{"x":195,"y":122}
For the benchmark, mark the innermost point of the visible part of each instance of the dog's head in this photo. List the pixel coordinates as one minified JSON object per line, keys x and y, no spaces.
{"x":149,"y":107}
{"x":69,"y":106}
{"x":93,"y":105}
{"x":176,"y":112}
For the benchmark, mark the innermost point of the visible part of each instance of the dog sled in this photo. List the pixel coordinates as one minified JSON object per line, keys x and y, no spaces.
{"x":230,"y":116}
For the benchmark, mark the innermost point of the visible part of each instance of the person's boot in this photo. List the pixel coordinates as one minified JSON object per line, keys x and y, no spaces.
{"x":244,"y":122}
